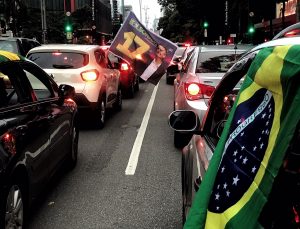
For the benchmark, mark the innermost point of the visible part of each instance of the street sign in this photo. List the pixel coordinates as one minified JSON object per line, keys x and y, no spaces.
{"x":233,"y":35}
{"x":69,"y":35}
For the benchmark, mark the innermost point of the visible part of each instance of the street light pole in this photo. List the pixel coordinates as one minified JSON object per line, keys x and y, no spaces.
{"x":141,"y":11}
{"x":43,"y":17}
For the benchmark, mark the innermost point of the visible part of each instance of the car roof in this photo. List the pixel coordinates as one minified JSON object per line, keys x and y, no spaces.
{"x":277,"y":42}
{"x":16,"y":38}
{"x":65,"y":47}
{"x":295,"y":27}
{"x":207,"y":48}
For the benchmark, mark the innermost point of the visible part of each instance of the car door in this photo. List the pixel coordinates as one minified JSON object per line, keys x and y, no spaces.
{"x":111,"y":77}
{"x":57,"y":118}
{"x":22,"y":117}
{"x":198,"y":153}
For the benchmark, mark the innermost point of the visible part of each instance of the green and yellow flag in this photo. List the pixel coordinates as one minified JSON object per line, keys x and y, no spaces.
{"x":253,"y":144}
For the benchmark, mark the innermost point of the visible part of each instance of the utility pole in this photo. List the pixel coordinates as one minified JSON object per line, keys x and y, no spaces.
{"x":146,"y":16}
{"x":43,"y":16}
{"x":141,"y":11}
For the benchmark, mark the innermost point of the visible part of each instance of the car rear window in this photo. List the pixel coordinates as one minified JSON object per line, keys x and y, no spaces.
{"x":59,"y":60}
{"x":216,"y":61}
{"x":10,"y":46}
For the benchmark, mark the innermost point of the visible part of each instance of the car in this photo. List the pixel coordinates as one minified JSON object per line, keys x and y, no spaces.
{"x":87,"y":68}
{"x":290,"y":31}
{"x":19,"y":45}
{"x":197,"y":154}
{"x":128,"y":77}
{"x":201,"y":72}
{"x":38,"y":135}
{"x":178,"y":58}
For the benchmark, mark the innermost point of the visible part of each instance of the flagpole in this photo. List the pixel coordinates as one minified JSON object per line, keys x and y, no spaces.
{"x":140,"y":10}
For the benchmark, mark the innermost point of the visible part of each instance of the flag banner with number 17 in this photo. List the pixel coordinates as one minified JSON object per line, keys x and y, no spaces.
{"x":148,"y":53}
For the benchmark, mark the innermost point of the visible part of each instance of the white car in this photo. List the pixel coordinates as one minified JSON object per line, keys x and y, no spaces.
{"x":201,"y":72}
{"x":88,"y":70}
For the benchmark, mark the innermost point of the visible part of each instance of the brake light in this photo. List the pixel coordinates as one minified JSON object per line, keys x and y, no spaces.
{"x":292,"y":33}
{"x":9,"y":143}
{"x":124,"y":67}
{"x":56,"y":53}
{"x":91,"y":75}
{"x":194,"y":91}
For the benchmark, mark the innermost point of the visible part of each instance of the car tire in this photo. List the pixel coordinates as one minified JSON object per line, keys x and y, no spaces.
{"x":131,"y":90}
{"x":100,"y":115}
{"x":118,"y":103}
{"x":13,"y":206}
{"x":137,"y":85}
{"x":73,"y":154}
{"x":181,"y":140}
{"x":169,"y":80}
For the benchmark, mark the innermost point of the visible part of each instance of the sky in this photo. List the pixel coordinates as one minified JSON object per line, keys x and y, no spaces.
{"x":153,"y":9}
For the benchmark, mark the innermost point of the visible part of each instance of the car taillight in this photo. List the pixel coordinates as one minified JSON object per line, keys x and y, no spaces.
{"x":124,"y":67}
{"x":9,"y":143}
{"x":187,"y":45}
{"x":194,"y":91}
{"x":91,"y":75}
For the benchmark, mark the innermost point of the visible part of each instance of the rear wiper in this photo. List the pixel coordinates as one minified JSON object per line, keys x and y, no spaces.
{"x":62,"y":66}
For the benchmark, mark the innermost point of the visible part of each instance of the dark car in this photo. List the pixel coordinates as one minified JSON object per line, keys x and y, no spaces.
{"x":196,"y":156}
{"x":128,"y":78}
{"x":38,"y":133}
{"x":19,"y":45}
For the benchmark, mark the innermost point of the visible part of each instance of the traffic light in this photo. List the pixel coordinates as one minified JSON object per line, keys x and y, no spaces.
{"x":205,"y":24}
{"x":251,"y":30}
{"x":68,"y":28}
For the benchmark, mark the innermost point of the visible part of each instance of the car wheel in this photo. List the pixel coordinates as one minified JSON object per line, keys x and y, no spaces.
{"x":130,"y":91}
{"x":137,"y":85}
{"x":181,"y":140}
{"x":101,"y":113}
{"x":12,"y":207}
{"x":72,"y":160}
{"x":118,"y":102}
{"x":169,"y":80}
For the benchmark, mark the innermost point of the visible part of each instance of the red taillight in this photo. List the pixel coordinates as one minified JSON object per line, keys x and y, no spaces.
{"x":56,"y":53}
{"x":124,"y":67}
{"x":292,"y":33}
{"x":9,"y":142}
{"x":91,"y":75}
{"x":187,"y":45}
{"x":194,"y":91}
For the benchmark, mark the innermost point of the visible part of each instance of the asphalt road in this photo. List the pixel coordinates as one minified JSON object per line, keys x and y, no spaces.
{"x":98,"y":193}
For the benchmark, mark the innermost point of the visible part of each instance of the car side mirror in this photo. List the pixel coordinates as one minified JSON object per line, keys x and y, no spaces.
{"x":184,"y":120}
{"x":66,"y":91}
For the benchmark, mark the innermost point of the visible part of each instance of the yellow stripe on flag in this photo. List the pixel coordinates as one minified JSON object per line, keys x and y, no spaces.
{"x":9,"y":55}
{"x":272,"y":64}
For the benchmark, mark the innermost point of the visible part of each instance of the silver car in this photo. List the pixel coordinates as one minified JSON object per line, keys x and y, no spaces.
{"x":201,"y":72}
{"x":196,"y":155}
{"x":87,"y":68}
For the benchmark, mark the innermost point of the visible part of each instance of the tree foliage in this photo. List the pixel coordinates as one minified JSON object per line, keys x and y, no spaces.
{"x":182,"y":20}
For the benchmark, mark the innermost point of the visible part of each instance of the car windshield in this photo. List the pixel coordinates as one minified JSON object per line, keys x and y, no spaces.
{"x":10,"y":46}
{"x":59,"y":60}
{"x":216,"y":61}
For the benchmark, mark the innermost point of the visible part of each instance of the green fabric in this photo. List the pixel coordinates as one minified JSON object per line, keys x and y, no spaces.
{"x":289,"y":114}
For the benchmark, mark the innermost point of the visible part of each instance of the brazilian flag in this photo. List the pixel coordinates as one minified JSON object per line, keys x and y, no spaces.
{"x":253,"y":144}
{"x":8,"y":56}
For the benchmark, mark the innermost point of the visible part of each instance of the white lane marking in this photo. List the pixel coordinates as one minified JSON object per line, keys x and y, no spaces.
{"x":135,"y":152}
